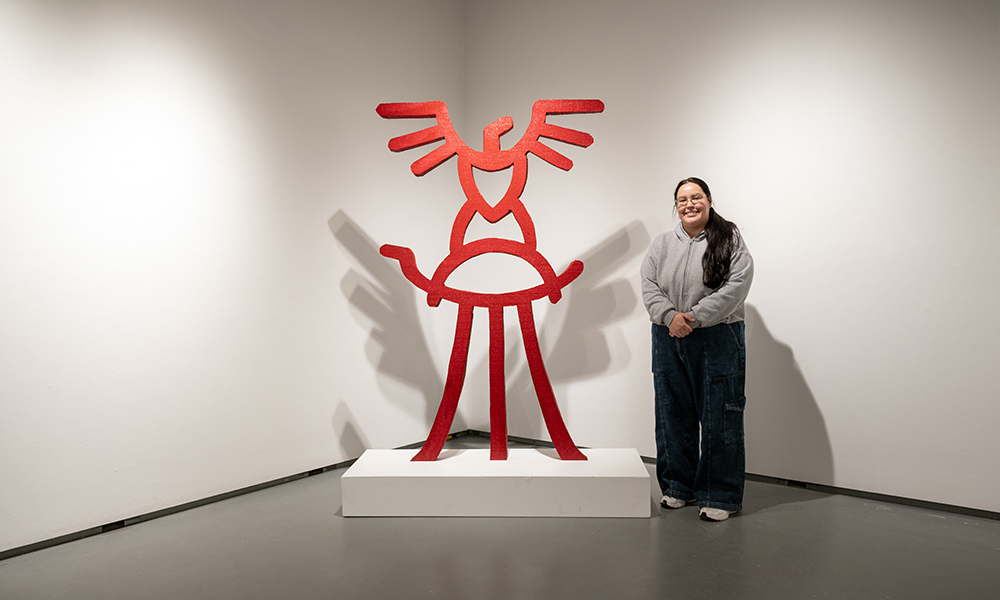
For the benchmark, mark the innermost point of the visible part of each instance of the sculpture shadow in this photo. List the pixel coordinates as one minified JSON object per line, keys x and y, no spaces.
{"x":577,"y":336}
{"x":786,"y":434}
{"x":352,"y":440}
{"x":397,"y":345}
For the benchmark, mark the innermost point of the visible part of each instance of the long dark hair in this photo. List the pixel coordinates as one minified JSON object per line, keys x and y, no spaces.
{"x":723,"y":239}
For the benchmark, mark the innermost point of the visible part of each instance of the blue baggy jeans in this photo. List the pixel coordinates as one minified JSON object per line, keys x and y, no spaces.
{"x":700,"y":380}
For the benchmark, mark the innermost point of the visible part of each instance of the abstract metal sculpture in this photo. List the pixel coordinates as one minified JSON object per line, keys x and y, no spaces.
{"x":492,"y":158}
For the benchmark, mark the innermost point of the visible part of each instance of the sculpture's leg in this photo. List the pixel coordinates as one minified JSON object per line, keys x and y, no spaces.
{"x":543,"y":388}
{"x":452,"y":387}
{"x":498,"y":387}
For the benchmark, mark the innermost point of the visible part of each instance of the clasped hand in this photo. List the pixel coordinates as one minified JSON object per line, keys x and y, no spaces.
{"x":679,"y":326}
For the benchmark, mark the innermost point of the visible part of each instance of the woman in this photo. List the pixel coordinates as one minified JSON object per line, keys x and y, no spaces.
{"x":694,"y":282}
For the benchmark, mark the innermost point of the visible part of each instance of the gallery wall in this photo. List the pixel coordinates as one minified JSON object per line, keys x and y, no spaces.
{"x":189,"y":194}
{"x":192,"y":196}
{"x":856,"y":145}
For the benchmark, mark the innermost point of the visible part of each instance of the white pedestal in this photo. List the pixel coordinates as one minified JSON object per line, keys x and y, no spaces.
{"x":532,"y":482}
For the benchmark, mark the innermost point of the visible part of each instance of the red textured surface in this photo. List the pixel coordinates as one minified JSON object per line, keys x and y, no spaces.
{"x":498,"y":391}
{"x":491,"y":158}
{"x":452,"y":387}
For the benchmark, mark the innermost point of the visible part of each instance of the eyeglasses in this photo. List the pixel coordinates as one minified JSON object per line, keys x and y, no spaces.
{"x":696,"y":199}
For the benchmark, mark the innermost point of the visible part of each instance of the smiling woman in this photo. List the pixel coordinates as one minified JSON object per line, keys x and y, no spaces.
{"x":694,"y":282}
{"x":694,"y":207}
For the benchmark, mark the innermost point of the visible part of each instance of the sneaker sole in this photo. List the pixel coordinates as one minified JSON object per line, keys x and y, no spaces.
{"x":705,"y":517}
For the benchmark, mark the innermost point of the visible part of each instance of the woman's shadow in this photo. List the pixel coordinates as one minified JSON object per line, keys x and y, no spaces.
{"x":786,"y":436}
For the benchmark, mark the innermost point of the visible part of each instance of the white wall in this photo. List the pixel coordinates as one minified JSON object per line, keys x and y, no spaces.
{"x":856,"y":145}
{"x":178,"y":183}
{"x":191,"y":198}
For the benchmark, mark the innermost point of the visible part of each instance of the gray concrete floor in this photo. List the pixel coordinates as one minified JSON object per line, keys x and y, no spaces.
{"x":291,"y":541}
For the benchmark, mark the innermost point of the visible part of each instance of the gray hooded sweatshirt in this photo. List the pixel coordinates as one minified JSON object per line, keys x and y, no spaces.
{"x":672,"y":281}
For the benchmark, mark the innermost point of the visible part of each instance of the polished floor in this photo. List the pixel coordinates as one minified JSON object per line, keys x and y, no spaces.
{"x":291,"y":541}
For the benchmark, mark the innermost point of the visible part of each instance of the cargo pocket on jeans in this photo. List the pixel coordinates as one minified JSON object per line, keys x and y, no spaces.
{"x":732,"y":420}
{"x":729,"y":392}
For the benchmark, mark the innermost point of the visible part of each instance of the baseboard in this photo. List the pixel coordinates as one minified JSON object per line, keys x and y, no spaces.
{"x":887,"y":498}
{"x":826,"y":489}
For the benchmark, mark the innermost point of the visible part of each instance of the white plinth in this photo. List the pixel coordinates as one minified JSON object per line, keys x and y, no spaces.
{"x":532,"y":482}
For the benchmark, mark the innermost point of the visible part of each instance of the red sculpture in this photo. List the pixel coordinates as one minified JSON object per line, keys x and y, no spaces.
{"x":492,"y":158}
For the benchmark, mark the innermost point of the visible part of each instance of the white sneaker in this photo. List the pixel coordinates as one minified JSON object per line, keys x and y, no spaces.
{"x":669,"y":502}
{"x":713,"y":514}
